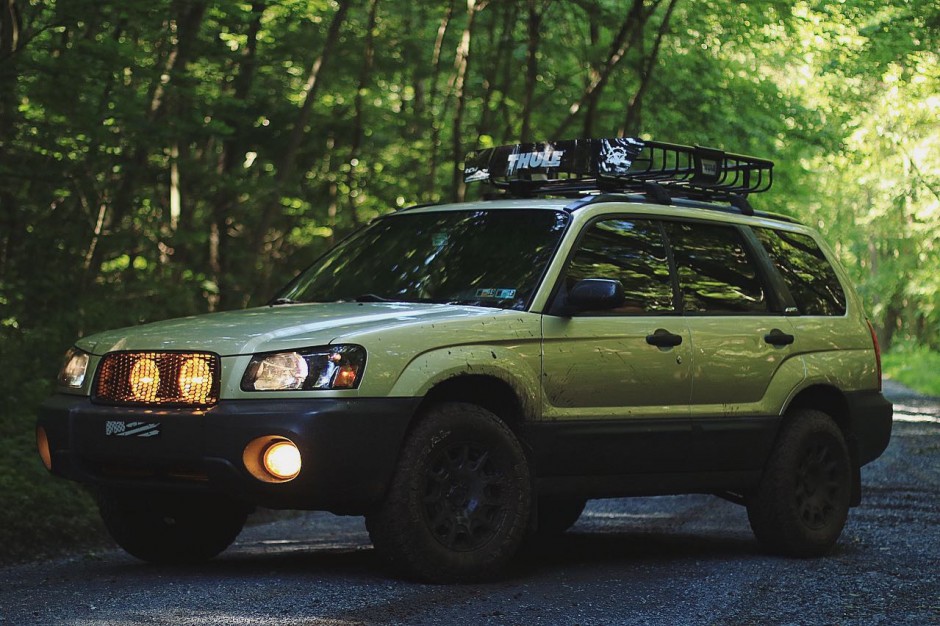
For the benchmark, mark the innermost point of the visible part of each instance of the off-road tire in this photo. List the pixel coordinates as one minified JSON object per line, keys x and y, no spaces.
{"x":458,"y":505}
{"x":171,"y":529}
{"x":802,"y":502}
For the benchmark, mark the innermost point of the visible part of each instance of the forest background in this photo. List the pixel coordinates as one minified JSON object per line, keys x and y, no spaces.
{"x":172,"y":157}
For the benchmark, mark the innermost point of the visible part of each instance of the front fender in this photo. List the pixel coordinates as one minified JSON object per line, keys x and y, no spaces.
{"x":517,"y":366}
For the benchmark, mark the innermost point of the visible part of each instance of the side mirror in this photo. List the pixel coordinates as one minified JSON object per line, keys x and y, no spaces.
{"x":593,"y":294}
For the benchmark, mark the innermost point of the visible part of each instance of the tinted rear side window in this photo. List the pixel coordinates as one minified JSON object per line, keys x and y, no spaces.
{"x":805,"y":270}
{"x":716,"y":273}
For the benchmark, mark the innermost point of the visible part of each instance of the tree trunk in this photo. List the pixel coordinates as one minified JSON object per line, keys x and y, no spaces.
{"x":633,"y":121}
{"x":532,"y":65}
{"x":461,"y":67}
{"x":188,"y":21}
{"x":357,"y":136}
{"x":10,"y":34}
{"x":299,"y":129}
{"x":230,"y":156}
{"x":499,"y":57}
{"x":419,"y":104}
{"x":618,"y":49}
{"x":433,"y":92}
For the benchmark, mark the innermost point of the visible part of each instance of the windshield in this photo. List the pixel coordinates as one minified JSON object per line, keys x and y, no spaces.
{"x":486,"y":258}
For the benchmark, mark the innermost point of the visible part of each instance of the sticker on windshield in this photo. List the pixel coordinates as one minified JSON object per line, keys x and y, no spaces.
{"x":439,"y":240}
{"x":499,"y":294}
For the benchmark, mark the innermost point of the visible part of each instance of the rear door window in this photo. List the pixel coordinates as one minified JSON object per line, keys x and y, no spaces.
{"x":803,"y":266}
{"x":717,"y":275}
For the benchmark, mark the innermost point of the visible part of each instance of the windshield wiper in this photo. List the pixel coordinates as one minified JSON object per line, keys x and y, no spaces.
{"x":283,"y":301}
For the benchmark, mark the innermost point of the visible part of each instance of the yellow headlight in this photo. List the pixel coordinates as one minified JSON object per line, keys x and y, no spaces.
{"x":195,"y":380}
{"x":145,"y":380}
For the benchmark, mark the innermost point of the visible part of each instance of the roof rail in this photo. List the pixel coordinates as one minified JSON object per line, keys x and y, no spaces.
{"x":661,"y":170}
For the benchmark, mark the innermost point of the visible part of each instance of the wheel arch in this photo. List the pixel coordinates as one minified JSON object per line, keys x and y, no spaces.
{"x":831,"y":401}
{"x":490,"y":392}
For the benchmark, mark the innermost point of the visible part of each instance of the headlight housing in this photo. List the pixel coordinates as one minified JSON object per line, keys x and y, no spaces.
{"x":322,"y":367}
{"x":72,"y":374}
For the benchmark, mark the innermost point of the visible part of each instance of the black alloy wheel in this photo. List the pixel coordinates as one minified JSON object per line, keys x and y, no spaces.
{"x":819,"y":486}
{"x":464,"y":501}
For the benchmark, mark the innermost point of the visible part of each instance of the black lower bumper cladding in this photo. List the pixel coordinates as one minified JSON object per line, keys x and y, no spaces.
{"x":871,"y":414}
{"x":348,"y":447}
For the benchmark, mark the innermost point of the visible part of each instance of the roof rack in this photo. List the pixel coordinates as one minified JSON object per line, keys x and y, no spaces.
{"x":660,"y":170}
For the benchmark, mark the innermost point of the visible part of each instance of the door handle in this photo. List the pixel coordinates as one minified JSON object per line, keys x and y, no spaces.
{"x":777,"y":337}
{"x":662,"y":338}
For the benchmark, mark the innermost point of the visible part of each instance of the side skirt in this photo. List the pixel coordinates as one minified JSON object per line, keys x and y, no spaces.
{"x":627,"y":485}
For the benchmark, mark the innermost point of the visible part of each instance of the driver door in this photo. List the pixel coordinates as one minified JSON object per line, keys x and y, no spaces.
{"x":617,"y":382}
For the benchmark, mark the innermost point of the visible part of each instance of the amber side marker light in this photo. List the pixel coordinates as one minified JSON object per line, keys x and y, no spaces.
{"x":42,"y":442}
{"x":272,"y":459}
{"x":346,"y":377}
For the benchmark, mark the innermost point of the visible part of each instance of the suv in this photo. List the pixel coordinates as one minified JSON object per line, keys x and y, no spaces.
{"x":467,"y":375}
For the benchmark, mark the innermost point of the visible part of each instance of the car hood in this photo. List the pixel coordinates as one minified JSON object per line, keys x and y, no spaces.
{"x":269,"y":328}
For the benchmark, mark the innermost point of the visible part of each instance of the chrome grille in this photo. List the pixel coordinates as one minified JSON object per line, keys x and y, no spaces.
{"x":158,"y":378}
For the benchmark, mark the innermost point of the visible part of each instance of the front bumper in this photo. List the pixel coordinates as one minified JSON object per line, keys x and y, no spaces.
{"x":349,"y":448}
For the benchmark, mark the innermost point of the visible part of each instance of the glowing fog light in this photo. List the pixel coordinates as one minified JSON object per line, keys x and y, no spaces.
{"x":282,"y":459}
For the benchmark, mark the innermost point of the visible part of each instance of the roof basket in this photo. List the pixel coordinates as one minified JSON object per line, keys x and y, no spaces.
{"x":619,"y":165}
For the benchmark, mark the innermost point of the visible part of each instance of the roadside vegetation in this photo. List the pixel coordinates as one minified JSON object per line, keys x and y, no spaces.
{"x":916,"y":367}
{"x":40,"y":517}
{"x":174,"y":157}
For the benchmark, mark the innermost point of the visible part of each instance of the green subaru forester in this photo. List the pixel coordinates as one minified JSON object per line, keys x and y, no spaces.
{"x":618,"y":321}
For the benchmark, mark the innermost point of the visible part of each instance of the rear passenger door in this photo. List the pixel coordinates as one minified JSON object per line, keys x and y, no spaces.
{"x":741,"y":342}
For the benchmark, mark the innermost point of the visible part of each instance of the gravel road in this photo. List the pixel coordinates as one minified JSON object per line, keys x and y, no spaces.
{"x":669,"y":560}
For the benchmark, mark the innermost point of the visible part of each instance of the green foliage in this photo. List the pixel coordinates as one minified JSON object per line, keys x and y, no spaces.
{"x":918,"y":367}
{"x":172,"y":157}
{"x":40,"y":516}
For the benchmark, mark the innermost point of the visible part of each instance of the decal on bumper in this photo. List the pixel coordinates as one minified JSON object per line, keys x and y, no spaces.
{"x":116,"y":428}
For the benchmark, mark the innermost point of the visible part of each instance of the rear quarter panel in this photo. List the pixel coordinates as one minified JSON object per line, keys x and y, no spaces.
{"x":837,"y":350}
